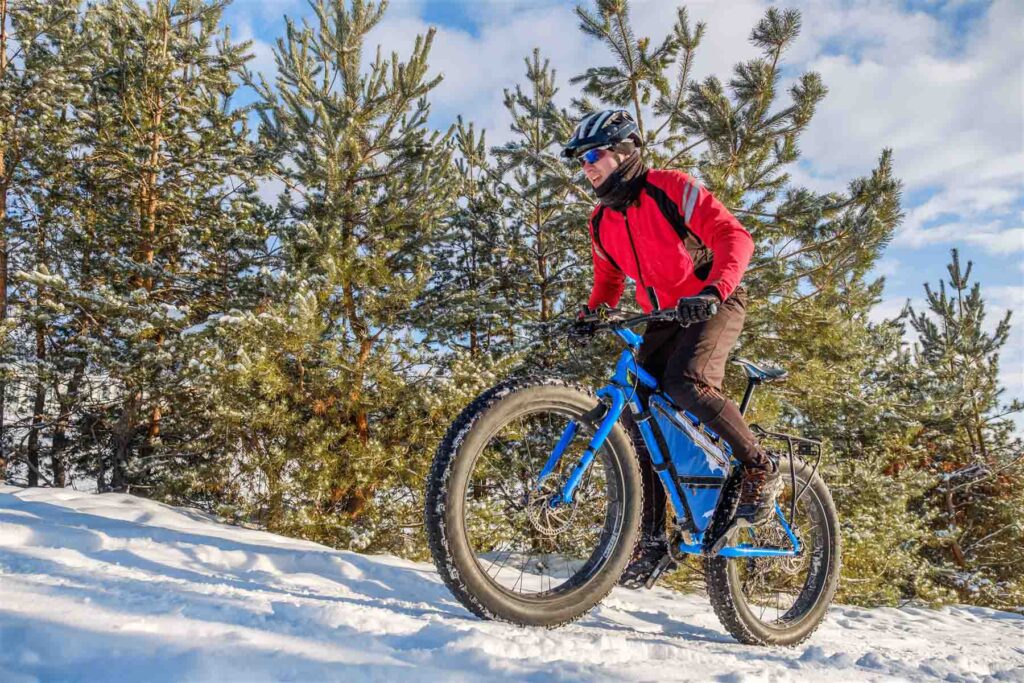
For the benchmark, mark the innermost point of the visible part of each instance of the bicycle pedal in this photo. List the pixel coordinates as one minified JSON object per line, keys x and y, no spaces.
{"x":726,"y":535}
{"x":663,"y":564}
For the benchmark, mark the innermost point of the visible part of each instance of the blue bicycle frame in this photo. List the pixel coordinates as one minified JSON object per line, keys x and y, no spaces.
{"x":693,"y":471}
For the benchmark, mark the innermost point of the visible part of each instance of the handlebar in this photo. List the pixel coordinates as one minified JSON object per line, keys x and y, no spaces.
{"x":606,"y":318}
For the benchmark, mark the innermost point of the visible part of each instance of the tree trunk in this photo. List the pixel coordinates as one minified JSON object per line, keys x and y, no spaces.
{"x":958,"y":553}
{"x":3,"y":240}
{"x":356,"y":496}
{"x":58,"y":460}
{"x":361,"y":421}
{"x":37,"y":409}
{"x":153,"y":429}
{"x":3,"y":309}
{"x":149,"y":200}
{"x":123,"y":433}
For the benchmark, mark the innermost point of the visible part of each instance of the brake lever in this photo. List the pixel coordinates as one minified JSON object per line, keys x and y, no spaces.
{"x":602,"y":314}
{"x":666,"y":314}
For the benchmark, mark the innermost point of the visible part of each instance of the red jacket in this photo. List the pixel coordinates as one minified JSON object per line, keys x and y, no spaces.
{"x":684,"y":239}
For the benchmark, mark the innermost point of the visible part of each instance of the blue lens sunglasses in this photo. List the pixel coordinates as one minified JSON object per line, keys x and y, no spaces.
{"x":591,"y":155}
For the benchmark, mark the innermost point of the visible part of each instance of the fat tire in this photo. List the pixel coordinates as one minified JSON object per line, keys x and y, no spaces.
{"x":722,"y":590}
{"x":456,"y":566}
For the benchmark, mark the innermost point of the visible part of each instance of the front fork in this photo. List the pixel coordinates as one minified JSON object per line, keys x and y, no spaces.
{"x":569,"y":487}
{"x":611,"y":416}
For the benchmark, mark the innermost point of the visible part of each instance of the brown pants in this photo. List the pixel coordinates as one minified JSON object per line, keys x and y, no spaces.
{"x":689,"y":364}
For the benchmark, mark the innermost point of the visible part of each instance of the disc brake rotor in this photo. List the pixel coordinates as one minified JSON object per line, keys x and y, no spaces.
{"x":547,"y":520}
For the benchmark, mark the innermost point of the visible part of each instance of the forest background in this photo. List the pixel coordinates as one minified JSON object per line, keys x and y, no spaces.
{"x":261,"y":277}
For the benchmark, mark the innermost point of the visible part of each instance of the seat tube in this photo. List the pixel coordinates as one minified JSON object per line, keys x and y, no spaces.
{"x":610,"y":418}
{"x":660,"y":463}
{"x":747,"y":395}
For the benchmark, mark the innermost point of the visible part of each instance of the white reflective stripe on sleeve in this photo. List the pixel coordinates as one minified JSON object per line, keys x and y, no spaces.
{"x":690,"y":195}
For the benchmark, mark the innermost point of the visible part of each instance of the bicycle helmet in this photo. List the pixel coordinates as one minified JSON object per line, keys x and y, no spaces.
{"x":602,"y":129}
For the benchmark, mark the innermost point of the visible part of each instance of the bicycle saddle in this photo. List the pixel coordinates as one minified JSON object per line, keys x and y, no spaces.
{"x":761,"y":373}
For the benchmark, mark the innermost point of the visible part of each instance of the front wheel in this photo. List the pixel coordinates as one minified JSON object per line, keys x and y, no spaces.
{"x":780,"y":600}
{"x":499,"y":544}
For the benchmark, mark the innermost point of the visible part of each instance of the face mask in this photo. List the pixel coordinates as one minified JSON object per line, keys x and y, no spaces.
{"x":624,"y":184}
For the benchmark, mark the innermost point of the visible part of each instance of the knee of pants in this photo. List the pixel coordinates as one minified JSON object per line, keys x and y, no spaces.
{"x":698,"y":398}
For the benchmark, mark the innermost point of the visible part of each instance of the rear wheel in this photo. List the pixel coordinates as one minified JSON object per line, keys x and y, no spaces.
{"x":780,"y":600}
{"x":496,"y":540}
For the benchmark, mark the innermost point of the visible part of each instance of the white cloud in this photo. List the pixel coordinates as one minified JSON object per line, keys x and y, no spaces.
{"x":725,"y":41}
{"x":991,"y":236}
{"x":477,"y":68}
{"x":262,"y":61}
{"x":889,"y":268}
{"x":953,"y":118}
{"x":889,"y":308}
{"x":1001,"y":299}
{"x":893,"y":82}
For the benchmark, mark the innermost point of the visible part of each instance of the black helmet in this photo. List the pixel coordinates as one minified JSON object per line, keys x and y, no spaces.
{"x":602,"y":129}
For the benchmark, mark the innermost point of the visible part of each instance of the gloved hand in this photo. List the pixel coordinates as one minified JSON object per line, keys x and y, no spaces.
{"x":697,"y":309}
{"x":581,"y":331}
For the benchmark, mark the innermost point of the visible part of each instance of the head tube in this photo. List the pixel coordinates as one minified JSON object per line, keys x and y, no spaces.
{"x":629,"y":336}
{"x":627,"y":366}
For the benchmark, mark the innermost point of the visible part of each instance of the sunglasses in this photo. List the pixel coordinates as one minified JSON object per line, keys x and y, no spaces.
{"x":591,"y":156}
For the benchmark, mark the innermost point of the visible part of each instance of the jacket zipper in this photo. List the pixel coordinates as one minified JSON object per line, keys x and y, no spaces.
{"x":651,"y":295}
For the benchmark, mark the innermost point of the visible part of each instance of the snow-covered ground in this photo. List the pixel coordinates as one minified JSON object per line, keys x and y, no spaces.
{"x":116,"y":588}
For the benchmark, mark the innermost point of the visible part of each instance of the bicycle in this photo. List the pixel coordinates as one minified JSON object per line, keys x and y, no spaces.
{"x":543,"y":474}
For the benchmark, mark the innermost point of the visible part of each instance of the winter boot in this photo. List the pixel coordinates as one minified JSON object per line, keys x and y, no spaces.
{"x":759,"y":489}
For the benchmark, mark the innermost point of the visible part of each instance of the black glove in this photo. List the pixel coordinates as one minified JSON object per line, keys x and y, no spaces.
{"x":581,"y":331}
{"x":697,"y":309}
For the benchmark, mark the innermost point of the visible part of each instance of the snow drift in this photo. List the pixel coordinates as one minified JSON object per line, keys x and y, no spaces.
{"x":114,"y":588}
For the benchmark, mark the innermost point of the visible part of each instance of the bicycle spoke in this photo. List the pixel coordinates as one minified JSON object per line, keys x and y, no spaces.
{"x":501,"y":566}
{"x":779,"y":582}
{"x":522,"y":571}
{"x":526,"y":438}
{"x":508,"y":513}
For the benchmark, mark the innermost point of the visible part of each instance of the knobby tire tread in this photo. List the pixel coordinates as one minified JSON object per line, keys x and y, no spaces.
{"x":717,"y":578}
{"x":437,"y":481}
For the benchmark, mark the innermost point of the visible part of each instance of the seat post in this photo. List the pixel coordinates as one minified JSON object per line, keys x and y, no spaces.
{"x":745,"y":403}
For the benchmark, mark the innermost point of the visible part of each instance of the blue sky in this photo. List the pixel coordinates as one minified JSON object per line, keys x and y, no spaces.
{"x":938,"y":81}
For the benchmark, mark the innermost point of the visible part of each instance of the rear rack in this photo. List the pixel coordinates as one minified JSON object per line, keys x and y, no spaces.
{"x":797,"y":445}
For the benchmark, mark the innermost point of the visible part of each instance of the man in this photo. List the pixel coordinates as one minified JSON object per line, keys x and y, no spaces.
{"x":682,"y":248}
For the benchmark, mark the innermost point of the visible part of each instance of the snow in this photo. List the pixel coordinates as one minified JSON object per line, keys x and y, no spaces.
{"x":195,"y":329}
{"x":115,"y":588}
{"x":174,"y":313}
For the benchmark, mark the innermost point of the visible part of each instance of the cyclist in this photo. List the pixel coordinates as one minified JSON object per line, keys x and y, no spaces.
{"x":683,"y":248}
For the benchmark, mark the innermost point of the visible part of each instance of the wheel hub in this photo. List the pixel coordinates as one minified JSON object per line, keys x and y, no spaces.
{"x":547,"y":519}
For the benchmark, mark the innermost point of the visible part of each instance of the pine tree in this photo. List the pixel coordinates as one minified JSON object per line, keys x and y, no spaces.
{"x":464,"y":309}
{"x":161,"y":231}
{"x":322,"y":392}
{"x":518,"y":234}
{"x":40,"y":66}
{"x":967,"y":441}
{"x":548,"y":240}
